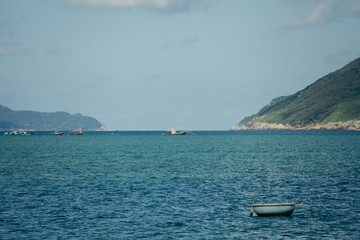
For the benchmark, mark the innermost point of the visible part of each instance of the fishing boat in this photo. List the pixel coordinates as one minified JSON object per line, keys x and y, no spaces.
{"x":25,"y":133}
{"x":11,"y":133}
{"x":74,"y":132}
{"x":274,"y":209}
{"x":174,"y":132}
{"x":57,"y":133}
{"x":18,"y":133}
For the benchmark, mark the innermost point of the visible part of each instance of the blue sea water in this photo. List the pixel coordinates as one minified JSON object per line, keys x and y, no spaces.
{"x":148,"y":185}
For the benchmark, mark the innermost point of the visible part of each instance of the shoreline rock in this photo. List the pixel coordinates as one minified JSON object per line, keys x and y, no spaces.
{"x":353,"y":125}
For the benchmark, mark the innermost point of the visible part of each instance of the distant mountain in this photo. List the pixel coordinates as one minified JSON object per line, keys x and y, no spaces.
{"x":332,"y":102}
{"x":41,"y":121}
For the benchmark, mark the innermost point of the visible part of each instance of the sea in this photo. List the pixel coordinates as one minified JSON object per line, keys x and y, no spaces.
{"x":150,"y":185}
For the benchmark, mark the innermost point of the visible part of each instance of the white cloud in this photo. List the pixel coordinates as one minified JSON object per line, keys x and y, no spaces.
{"x":160,"y":5}
{"x":4,"y":51}
{"x":325,"y":12}
{"x":27,"y":51}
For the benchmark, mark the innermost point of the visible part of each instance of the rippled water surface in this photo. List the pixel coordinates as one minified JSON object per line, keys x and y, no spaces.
{"x":133,"y":185}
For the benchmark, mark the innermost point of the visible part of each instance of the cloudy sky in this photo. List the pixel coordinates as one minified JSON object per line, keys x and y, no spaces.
{"x":159,"y":64}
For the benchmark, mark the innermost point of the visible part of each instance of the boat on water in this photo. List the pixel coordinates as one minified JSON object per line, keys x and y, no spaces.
{"x":57,"y":133}
{"x":74,"y":132}
{"x":274,"y":209}
{"x":174,"y":132}
{"x":26,"y":133}
{"x":18,"y":133}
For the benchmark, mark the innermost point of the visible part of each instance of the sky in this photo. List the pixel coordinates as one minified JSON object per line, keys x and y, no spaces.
{"x":162,"y":64}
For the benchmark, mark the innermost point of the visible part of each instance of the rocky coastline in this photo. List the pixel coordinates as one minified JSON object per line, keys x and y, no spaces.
{"x":353,"y":125}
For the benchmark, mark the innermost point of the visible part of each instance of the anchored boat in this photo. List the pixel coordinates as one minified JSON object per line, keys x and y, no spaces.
{"x":174,"y":132}
{"x":57,"y":133}
{"x":18,"y":133}
{"x":75,"y":132}
{"x":272,"y":209}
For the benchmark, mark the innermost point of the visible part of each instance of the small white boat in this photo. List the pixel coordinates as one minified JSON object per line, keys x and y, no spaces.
{"x":274,"y":209}
{"x":174,"y":132}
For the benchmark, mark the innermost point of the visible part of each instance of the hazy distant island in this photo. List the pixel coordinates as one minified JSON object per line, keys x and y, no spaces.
{"x":42,"y":121}
{"x":330,"y":103}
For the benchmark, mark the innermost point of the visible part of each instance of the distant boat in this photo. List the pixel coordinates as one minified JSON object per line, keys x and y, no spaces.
{"x":174,"y":132}
{"x":18,"y":133}
{"x":11,"y":133}
{"x":57,"y":133}
{"x":274,"y":209}
{"x":26,"y":133}
{"x":73,"y":132}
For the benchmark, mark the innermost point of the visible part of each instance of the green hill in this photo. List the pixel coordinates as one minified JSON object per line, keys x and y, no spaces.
{"x":41,"y":121}
{"x":333,"y":98}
